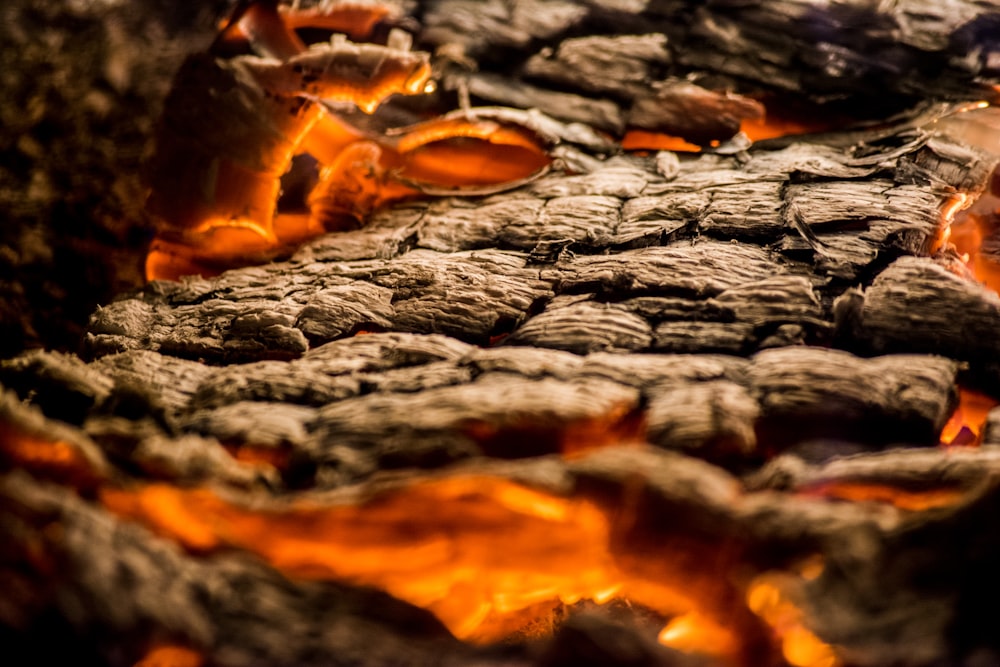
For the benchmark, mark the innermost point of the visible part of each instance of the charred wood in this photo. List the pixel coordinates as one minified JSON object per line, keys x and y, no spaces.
{"x":629,"y":60}
{"x":732,"y":254}
{"x":350,"y":408}
{"x":917,"y":305}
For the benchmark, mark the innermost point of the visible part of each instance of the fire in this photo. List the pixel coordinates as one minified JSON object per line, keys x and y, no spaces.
{"x":696,"y":633}
{"x":904,"y":499}
{"x":966,"y":423}
{"x":260,"y":456}
{"x":640,"y":140}
{"x":171,"y":656}
{"x":776,"y":121}
{"x":620,"y":426}
{"x":219,"y":159}
{"x":469,"y":549}
{"x":801,"y":648}
{"x":58,"y":460}
{"x":967,"y":223}
{"x":490,"y":557}
{"x":486,"y":555}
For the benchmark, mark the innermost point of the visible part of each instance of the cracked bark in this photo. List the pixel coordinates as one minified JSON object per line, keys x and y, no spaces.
{"x":684,"y":308}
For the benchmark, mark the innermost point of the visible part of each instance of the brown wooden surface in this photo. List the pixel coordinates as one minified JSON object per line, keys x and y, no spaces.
{"x":682,"y":315}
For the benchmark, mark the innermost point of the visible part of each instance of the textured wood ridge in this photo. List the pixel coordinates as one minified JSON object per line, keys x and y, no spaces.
{"x":238,"y":610}
{"x":593,"y":62}
{"x":738,"y":361}
{"x":351,"y":408}
{"x":728,"y":254}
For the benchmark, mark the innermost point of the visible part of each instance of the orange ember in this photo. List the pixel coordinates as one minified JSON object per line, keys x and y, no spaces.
{"x":759,"y":129}
{"x":260,"y":456}
{"x":171,"y":656}
{"x":966,"y":233}
{"x":641,"y":140}
{"x":358,"y":177}
{"x":56,"y":460}
{"x":488,"y":556}
{"x":800,"y":647}
{"x":966,"y":423}
{"x":620,"y":426}
{"x":770,"y":125}
{"x":696,"y":633}
{"x":215,"y":184}
{"x":904,"y":499}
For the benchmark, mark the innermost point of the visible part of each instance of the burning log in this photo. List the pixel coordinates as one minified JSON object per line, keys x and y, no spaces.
{"x":713,"y":528}
{"x":917,"y":305}
{"x":687,"y":260}
{"x":612,"y":409}
{"x":879,"y":57}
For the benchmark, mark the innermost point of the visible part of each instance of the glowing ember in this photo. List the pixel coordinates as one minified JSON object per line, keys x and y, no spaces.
{"x":800,"y":647}
{"x":457,"y":536}
{"x":171,"y":656}
{"x":260,"y":456}
{"x":772,"y":124}
{"x":904,"y":499}
{"x":639,"y":140}
{"x":219,"y":158}
{"x":948,"y":212}
{"x":484,"y":554}
{"x":966,"y":422}
{"x":490,"y":557}
{"x":694,"y":633}
{"x":57,"y":460}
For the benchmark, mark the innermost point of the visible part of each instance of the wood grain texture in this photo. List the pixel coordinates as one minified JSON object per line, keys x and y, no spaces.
{"x":729,"y":254}
{"x":639,"y":333}
{"x":650,"y":64}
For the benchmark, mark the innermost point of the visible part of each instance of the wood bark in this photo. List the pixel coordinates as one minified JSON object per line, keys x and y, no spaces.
{"x":73,"y":164}
{"x":728,"y":254}
{"x":638,"y":333}
{"x":917,"y":305}
{"x":884,"y":575}
{"x":631,"y":64}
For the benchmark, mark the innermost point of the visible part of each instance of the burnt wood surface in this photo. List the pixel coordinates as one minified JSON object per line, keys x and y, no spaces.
{"x":884,"y":576}
{"x":351,"y":408}
{"x":722,"y":254}
{"x":86,"y":82}
{"x":686,"y":318}
{"x":594,"y":62}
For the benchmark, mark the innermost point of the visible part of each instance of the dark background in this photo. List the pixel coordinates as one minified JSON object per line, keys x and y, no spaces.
{"x":81,"y":86}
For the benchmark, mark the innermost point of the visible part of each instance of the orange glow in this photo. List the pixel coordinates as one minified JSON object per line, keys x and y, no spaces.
{"x":967,"y":237}
{"x":356,"y":20}
{"x":767,"y":126}
{"x":618,"y":427}
{"x":57,"y":460}
{"x":800,"y":647}
{"x":950,"y":208}
{"x":216,"y":208}
{"x":171,"y":656}
{"x":695,"y":633}
{"x":260,"y":456}
{"x":463,"y":155}
{"x":759,"y":129}
{"x":966,"y":423}
{"x":361,"y":176}
{"x":640,"y":140}
{"x":484,"y":554}
{"x":904,"y":499}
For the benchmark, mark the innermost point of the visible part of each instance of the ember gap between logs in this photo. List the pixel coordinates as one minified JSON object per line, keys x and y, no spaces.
{"x":545,"y":332}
